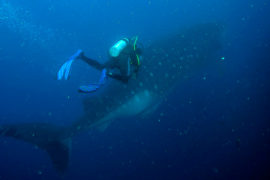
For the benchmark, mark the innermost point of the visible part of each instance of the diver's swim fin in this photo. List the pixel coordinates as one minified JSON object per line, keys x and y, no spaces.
{"x":65,"y":68}
{"x":103,"y":77}
{"x":89,"y":88}
{"x":93,"y":87}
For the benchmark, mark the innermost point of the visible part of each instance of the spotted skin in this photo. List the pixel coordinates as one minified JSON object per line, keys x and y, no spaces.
{"x":165,"y":63}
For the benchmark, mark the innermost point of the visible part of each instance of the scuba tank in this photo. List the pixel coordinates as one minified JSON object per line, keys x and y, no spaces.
{"x":117,"y":48}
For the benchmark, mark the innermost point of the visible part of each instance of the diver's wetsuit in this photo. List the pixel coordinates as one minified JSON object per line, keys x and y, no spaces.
{"x":126,"y":63}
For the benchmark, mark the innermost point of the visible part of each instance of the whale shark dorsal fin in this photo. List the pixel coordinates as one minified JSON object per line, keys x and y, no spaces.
{"x":45,"y":137}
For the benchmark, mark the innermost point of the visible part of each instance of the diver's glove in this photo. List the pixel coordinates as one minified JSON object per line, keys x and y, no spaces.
{"x":94,"y":87}
{"x":65,"y":68}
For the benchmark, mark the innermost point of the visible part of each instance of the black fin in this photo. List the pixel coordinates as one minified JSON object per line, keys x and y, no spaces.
{"x":45,"y":136}
{"x":59,"y":154}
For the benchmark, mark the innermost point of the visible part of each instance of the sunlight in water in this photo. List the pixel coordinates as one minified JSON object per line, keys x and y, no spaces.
{"x":18,"y":20}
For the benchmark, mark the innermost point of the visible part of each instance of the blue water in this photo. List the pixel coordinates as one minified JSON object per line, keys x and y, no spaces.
{"x":213,"y":126}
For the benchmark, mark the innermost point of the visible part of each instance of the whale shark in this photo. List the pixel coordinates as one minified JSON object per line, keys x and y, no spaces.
{"x":165,"y":63}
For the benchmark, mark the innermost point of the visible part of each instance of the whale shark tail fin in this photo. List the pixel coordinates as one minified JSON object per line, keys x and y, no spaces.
{"x":59,"y":154}
{"x":46,"y":137}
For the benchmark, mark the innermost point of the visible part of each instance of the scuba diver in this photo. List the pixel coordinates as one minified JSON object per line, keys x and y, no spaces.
{"x":123,"y":63}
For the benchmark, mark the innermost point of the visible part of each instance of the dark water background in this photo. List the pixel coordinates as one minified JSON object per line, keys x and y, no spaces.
{"x":214,"y":126}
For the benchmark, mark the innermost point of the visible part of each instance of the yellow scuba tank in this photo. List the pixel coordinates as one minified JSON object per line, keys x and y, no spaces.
{"x":117,"y":48}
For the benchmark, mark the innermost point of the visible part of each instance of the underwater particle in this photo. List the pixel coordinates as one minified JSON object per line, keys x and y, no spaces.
{"x":165,"y":150}
{"x":22,"y":44}
{"x":186,"y":131}
{"x":189,"y":102}
{"x":151,"y":74}
{"x":146,"y":93}
{"x":238,"y":143}
{"x":78,"y":127}
{"x":50,"y":8}
{"x":204,"y":78}
{"x":49,"y":113}
{"x":215,"y":170}
{"x":233,"y":130}
{"x":68,"y":97}
{"x":137,"y":98}
{"x":248,"y":98}
{"x":159,"y":63}
{"x":166,"y":75}
{"x":158,"y":120}
{"x":33,"y":134}
{"x":39,"y":172}
{"x":141,"y":84}
{"x":161,"y":114}
{"x":251,"y":5}
{"x":180,"y":67}
{"x":222,"y":58}
{"x":107,"y":108}
{"x":180,"y":133}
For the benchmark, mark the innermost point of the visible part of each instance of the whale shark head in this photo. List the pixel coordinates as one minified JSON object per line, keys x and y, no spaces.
{"x":165,"y":63}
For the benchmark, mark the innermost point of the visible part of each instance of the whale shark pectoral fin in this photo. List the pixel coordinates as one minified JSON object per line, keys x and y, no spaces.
{"x":104,"y":126}
{"x":43,"y":136}
{"x":150,"y":110}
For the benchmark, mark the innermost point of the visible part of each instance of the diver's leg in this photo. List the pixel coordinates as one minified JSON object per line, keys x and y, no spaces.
{"x":119,"y":77}
{"x":91,"y":62}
